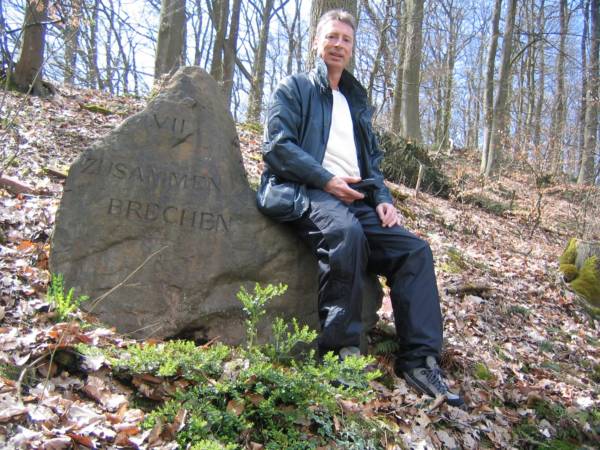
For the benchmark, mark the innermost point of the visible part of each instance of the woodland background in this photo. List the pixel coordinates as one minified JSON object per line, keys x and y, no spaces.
{"x":516,"y":79}
{"x":501,"y":98}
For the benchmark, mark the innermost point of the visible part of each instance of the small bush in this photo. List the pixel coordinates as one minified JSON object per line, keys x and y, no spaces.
{"x":64,"y":303}
{"x":400,"y":164}
{"x":260,"y":393}
{"x":485,"y":203}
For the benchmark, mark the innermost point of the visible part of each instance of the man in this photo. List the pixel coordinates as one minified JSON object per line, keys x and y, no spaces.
{"x":318,"y":144}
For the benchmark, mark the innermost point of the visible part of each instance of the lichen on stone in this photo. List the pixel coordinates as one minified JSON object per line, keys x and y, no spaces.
{"x":570,"y":253}
{"x":587,"y":283}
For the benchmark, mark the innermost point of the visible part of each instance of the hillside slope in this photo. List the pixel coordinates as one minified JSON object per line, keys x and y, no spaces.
{"x":519,"y":344}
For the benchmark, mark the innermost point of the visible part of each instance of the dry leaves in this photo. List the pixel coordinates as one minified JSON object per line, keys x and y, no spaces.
{"x":505,"y":310}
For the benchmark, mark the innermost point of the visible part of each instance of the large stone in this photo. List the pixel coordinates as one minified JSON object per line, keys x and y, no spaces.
{"x":158,"y":225}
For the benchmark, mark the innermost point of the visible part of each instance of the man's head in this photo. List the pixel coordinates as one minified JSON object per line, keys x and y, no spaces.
{"x":334,"y":39}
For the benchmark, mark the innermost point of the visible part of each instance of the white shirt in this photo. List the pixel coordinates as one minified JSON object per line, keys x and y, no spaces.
{"x":340,"y":155}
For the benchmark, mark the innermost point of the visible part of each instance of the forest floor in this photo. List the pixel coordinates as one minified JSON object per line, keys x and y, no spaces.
{"x":519,"y":344}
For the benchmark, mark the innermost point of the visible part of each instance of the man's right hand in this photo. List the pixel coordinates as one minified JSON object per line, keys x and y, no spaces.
{"x":338,"y":187}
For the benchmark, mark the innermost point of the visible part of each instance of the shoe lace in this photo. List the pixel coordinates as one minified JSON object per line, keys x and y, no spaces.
{"x":435,"y":377}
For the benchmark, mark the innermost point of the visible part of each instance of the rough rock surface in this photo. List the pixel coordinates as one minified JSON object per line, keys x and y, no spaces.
{"x":158,"y":222}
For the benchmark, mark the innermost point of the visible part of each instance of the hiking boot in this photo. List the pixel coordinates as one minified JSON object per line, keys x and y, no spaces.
{"x":429,"y":380}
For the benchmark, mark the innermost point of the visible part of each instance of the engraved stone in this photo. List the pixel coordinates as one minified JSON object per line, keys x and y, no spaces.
{"x":158,"y":225}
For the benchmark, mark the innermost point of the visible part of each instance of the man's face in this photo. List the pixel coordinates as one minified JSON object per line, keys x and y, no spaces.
{"x":334,"y":44}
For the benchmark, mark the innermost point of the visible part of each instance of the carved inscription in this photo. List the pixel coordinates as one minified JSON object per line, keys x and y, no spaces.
{"x":149,"y":175}
{"x":149,"y":212}
{"x":173,"y":124}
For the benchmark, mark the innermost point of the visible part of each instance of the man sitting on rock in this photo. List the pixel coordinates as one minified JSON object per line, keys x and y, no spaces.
{"x":322,"y":176}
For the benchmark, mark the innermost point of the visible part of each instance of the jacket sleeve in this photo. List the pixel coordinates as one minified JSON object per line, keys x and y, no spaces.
{"x":281,"y":147}
{"x":382,"y":193}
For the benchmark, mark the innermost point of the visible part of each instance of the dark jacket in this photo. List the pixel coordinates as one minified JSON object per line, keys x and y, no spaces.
{"x":296,"y":135}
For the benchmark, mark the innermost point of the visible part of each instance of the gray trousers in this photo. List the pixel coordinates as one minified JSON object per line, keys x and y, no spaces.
{"x":348,"y":241}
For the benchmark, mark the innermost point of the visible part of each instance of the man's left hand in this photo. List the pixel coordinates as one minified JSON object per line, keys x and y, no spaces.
{"x":388,"y":215}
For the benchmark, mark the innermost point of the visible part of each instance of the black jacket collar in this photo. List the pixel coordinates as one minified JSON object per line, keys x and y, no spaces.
{"x":349,"y":85}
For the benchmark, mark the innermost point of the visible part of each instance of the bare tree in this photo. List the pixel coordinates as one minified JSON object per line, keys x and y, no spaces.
{"x":258,"y":68}
{"x":411,"y":126}
{"x":499,"y":129}
{"x":584,"y":68}
{"x":587,"y":170}
{"x":401,"y":45}
{"x":489,"y":84}
{"x":171,"y":33}
{"x":28,"y":70}
{"x":230,"y":51}
{"x":558,"y":114}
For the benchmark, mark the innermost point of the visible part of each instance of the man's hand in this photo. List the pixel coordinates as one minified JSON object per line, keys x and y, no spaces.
{"x":388,"y":215}
{"x":338,"y":187}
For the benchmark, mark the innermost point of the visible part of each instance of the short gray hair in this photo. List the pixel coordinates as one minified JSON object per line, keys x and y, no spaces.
{"x":336,"y":14}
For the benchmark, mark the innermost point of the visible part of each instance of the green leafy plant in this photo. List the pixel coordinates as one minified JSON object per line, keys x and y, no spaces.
{"x":285,"y":341}
{"x":269,"y":394}
{"x":173,"y":358}
{"x":254,"y":306}
{"x":64,"y":303}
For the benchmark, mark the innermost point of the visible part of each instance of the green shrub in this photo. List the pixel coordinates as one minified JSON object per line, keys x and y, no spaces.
{"x":260,"y":393}
{"x":487,"y":204}
{"x":64,"y":303}
{"x":400,"y":164}
{"x":172,"y":358}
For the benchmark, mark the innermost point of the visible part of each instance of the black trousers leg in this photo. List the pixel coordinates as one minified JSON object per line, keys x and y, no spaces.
{"x":337,"y":239}
{"x":407,"y":263}
{"x":349,"y":239}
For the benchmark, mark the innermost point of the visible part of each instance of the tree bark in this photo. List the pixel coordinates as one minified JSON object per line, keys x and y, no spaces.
{"x":500,"y":117}
{"x":587,"y":171}
{"x":401,"y":45}
{"x":537,"y":130}
{"x":411,"y":72}
{"x":558,"y":118}
{"x":171,"y":33}
{"x":255,"y":97}
{"x":488,"y":113}
{"x":28,"y":70}
{"x":453,"y":28}
{"x":230,"y":50}
{"x":71,"y":38}
{"x":584,"y":69}
{"x":219,"y":16}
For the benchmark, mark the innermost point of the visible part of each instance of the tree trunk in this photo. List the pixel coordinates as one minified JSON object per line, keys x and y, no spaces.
{"x":230,"y":51}
{"x":537,"y":130}
{"x":558,"y":118}
{"x":317,"y":9}
{"x":171,"y":33}
{"x":454,"y":27}
{"x":584,"y":69}
{"x":71,"y":38}
{"x":28,"y":70}
{"x":382,"y":26}
{"x":255,"y":97}
{"x":488,"y":103}
{"x":401,"y":45}
{"x":587,"y":171}
{"x":5,"y":56}
{"x":411,"y":72}
{"x":219,"y":16}
{"x":500,"y":117}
